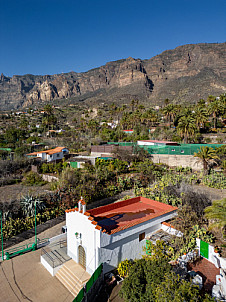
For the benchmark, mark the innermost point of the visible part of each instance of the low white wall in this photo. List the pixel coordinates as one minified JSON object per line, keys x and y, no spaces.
{"x":50,"y":269}
{"x":49,"y":178}
{"x":62,"y":236}
{"x":214,"y":258}
{"x":170,"y":230}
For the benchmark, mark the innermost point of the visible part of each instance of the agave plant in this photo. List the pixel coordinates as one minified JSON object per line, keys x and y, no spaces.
{"x":28,"y":205}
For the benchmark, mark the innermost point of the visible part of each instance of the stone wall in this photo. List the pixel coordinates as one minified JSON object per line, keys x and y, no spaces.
{"x":178,"y":160}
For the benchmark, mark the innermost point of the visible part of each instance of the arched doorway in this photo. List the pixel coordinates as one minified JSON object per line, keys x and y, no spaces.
{"x":82,"y":256}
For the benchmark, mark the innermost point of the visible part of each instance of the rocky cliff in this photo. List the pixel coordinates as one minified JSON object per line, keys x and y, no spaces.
{"x":183,"y":74}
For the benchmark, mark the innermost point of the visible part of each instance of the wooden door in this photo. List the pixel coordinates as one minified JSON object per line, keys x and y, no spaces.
{"x":82,"y":256}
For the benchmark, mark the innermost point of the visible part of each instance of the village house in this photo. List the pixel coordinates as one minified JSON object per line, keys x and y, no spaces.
{"x":112,"y":233}
{"x":51,"y":154}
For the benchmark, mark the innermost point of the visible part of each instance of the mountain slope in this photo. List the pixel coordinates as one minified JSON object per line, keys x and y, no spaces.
{"x":186,"y":73}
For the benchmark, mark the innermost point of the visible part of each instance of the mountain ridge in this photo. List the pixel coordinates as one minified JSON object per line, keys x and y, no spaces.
{"x":183,"y":74}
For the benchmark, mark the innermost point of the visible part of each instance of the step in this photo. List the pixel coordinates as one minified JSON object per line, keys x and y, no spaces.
{"x":77,"y":270}
{"x":74,"y":290}
{"x":78,"y":278}
{"x":70,"y":278}
{"x":67,"y":276}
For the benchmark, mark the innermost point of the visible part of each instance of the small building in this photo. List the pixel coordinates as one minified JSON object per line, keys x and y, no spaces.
{"x":51,"y":154}
{"x":113,"y":233}
{"x":129,"y":131}
{"x":156,"y":143}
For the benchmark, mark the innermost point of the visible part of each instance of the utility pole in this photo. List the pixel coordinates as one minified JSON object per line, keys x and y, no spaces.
{"x":35,"y":228}
{"x":2,"y":237}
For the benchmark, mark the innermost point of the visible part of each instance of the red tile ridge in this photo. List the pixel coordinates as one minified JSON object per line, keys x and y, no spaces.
{"x":71,"y":210}
{"x":98,"y":227}
{"x":168,"y":224}
{"x":91,"y":218}
{"x":94,"y":222}
{"x":87,"y":214}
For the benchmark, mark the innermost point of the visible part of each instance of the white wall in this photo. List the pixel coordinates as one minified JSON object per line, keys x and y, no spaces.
{"x":54,"y":156}
{"x":108,"y":249}
{"x":125,"y":244}
{"x":213,"y":257}
{"x":140,"y":143}
{"x":170,"y":230}
{"x":139,"y":228}
{"x":127,"y":248}
{"x":90,"y":239}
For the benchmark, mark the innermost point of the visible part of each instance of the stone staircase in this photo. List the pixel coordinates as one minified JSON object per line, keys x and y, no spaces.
{"x":72,"y":276}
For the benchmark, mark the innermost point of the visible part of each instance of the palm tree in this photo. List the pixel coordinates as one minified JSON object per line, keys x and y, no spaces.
{"x":170,"y":112}
{"x":149,"y":117}
{"x":206,"y":155}
{"x":200,"y":116}
{"x":48,"y":109}
{"x":186,"y":127}
{"x":217,"y":213}
{"x":214,"y":109}
{"x":201,"y":103}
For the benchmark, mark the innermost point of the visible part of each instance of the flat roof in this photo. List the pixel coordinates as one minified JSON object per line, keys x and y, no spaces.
{"x":159,"y":142}
{"x":127,"y":213}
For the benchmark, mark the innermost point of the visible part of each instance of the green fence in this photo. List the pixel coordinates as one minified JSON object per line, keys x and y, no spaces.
{"x":79,"y":296}
{"x":74,"y":164}
{"x":89,"y":284}
{"x":204,"y":249}
{"x":122,"y":143}
{"x":183,"y":149}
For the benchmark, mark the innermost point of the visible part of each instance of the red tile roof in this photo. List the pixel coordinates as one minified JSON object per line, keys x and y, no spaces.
{"x":125,"y":214}
{"x":50,"y":151}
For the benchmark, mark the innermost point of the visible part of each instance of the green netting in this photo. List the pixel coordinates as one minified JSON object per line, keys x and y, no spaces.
{"x":89,"y":284}
{"x":122,"y":143}
{"x":183,"y":149}
{"x":6,"y":149}
{"x":94,"y":277}
{"x":79,"y":296}
{"x":74,"y":164}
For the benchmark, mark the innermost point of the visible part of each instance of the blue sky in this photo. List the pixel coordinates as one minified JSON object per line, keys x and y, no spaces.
{"x":52,"y":36}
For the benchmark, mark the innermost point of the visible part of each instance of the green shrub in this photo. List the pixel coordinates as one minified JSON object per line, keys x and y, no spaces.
{"x":32,"y":179}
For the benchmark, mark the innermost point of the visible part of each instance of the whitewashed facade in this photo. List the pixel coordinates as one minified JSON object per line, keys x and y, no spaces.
{"x":101,"y":247}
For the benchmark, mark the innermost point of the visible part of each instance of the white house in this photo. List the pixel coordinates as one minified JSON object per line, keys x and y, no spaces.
{"x":112,"y":233}
{"x":51,"y":154}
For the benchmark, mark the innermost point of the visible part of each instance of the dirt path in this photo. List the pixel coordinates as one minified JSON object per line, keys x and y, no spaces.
{"x":212,"y":193}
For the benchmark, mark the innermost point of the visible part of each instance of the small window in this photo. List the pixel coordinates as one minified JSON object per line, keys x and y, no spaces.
{"x":172,"y":149}
{"x":182,"y":151}
{"x":58,"y":155}
{"x":141,"y":236}
{"x":51,"y":155}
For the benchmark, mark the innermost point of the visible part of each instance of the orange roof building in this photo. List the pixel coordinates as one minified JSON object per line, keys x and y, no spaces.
{"x":112,"y":233}
{"x":51,"y":154}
